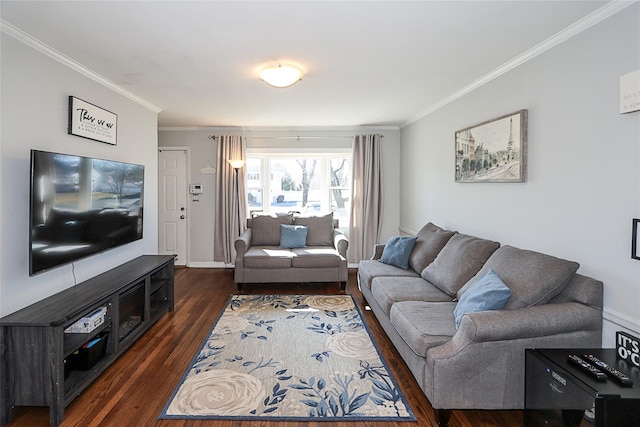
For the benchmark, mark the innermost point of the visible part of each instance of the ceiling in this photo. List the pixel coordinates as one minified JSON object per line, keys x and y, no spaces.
{"x":367,"y":63}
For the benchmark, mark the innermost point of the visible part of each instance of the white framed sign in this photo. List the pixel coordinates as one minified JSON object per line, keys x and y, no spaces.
{"x":628,"y":348}
{"x":92,"y":122}
{"x":630,"y":92}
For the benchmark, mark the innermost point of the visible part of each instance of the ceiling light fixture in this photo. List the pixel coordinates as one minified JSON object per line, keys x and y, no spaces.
{"x":281,"y":75}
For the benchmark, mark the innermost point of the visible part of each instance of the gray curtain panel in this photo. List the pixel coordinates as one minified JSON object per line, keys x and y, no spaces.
{"x":231,"y":209}
{"x":366,"y":205}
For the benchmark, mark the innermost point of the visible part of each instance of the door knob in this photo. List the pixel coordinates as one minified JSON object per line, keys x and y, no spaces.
{"x":181,"y":216}
{"x":182,"y":208}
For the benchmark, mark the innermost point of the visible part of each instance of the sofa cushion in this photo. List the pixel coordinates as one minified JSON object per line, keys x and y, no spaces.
{"x":315,"y":257}
{"x":265,"y":229}
{"x":458,"y":261}
{"x":320,"y":229}
{"x":293,"y":236}
{"x":430,"y":240}
{"x":370,"y":268}
{"x":397,"y":251}
{"x":423,"y":325}
{"x":487,"y":292}
{"x":390,"y":290}
{"x":267,"y":257}
{"x":533,"y":278}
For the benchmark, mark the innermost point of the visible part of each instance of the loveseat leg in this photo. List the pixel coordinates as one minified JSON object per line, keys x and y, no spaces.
{"x":442,"y":416}
{"x":343,"y":286}
{"x":240,"y":286}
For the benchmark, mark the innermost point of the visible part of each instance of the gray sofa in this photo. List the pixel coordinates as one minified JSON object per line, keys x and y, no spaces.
{"x":479,"y":365}
{"x":261,"y":259}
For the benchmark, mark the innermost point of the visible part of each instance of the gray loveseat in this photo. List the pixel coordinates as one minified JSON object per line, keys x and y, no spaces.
{"x":261,"y":259}
{"x":480,"y":364}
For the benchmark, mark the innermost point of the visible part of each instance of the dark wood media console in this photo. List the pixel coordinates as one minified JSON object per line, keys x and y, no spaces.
{"x":36,"y":352}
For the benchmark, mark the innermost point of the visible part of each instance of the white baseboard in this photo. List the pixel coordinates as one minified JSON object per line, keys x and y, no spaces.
{"x":620,"y":319}
{"x":612,"y":322}
{"x":208,"y":264}
{"x":213,"y":264}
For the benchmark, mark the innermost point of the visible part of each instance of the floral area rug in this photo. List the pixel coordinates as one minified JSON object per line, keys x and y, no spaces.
{"x":289,"y":357}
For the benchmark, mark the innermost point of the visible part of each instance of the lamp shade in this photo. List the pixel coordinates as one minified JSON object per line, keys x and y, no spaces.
{"x":236,"y":164}
{"x":281,"y":76}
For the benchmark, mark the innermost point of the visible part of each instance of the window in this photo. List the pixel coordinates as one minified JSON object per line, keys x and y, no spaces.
{"x":301,"y":182}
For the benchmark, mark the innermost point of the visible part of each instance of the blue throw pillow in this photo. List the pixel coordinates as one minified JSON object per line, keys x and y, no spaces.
{"x":293,"y":236}
{"x":487,"y":292}
{"x":398,"y":250}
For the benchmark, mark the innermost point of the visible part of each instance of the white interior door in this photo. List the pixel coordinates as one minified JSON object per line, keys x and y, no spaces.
{"x":173,"y":215}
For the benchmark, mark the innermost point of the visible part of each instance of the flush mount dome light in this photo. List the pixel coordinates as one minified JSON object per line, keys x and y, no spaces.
{"x":281,"y":75}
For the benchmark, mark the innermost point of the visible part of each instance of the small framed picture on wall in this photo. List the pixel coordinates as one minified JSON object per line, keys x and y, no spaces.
{"x":635,"y":239}
{"x":92,"y":122}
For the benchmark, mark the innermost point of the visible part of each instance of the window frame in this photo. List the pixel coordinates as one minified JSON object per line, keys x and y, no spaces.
{"x":267,"y":155}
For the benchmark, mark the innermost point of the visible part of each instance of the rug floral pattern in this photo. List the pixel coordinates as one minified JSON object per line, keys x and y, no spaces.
{"x":296,"y":357}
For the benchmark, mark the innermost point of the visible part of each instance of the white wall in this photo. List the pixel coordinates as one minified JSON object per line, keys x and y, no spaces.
{"x":583,"y":184}
{"x":35,"y":91}
{"x":202,"y":149}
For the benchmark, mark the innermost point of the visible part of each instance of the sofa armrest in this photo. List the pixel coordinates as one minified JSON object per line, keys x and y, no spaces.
{"x":377,"y":250}
{"x":340,"y":242}
{"x":489,"y":347}
{"x":242,"y":244}
{"x":520,"y":324}
{"x":528,"y":322}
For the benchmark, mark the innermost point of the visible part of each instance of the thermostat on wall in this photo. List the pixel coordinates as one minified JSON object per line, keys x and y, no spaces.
{"x":195,"y":188}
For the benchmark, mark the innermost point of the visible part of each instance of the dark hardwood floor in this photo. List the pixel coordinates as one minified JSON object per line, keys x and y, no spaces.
{"x":134,"y":390}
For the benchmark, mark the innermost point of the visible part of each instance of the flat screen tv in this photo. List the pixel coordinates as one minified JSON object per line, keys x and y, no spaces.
{"x":81,"y":206}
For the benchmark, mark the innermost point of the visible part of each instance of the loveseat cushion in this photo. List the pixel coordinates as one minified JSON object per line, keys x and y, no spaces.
{"x":533,"y":278}
{"x":458,"y":261}
{"x":293,"y":236}
{"x":265,"y":229}
{"x":315,"y":257}
{"x":390,"y":290}
{"x":430,"y":240}
{"x":423,"y":325}
{"x":370,"y":268}
{"x":267,"y":257}
{"x":320,"y":229}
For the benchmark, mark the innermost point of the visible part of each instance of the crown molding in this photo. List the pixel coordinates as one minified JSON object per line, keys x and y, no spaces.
{"x":281,"y":129}
{"x":36,"y":44}
{"x":576,"y":28}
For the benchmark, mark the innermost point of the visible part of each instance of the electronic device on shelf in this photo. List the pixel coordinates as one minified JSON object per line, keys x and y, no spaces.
{"x":562,"y":388}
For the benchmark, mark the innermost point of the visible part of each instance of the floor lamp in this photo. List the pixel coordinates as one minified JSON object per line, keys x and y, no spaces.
{"x":236,"y":165}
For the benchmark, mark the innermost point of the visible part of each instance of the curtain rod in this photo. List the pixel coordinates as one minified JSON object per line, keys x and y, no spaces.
{"x":297,"y":137}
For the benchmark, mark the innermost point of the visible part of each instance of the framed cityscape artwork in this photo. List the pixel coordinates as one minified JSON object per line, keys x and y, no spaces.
{"x":493,"y":151}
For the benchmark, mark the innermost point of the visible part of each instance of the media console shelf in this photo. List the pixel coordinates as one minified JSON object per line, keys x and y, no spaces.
{"x":42,"y":365}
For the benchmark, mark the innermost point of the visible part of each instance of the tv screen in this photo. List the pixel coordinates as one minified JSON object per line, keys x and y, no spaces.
{"x":81,"y":206}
